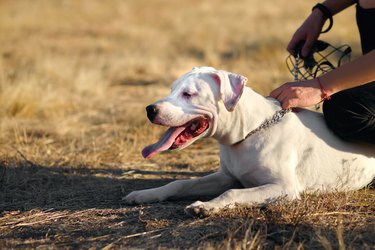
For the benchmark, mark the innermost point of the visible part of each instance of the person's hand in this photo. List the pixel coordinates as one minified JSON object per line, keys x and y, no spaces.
{"x":307,"y":34}
{"x":298,"y":94}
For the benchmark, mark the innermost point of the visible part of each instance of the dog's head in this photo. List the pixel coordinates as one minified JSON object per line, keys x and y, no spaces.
{"x":191,"y":110}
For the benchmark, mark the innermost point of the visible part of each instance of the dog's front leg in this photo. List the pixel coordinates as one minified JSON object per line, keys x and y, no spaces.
{"x":213,"y":184}
{"x":257,"y":195}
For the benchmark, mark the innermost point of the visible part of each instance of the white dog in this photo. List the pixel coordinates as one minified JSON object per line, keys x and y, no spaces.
{"x":284,"y":157}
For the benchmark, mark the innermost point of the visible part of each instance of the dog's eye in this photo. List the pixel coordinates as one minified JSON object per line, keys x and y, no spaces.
{"x":187,"y":94}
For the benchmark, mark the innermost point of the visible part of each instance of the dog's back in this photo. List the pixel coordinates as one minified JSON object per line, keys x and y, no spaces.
{"x":327,"y":161}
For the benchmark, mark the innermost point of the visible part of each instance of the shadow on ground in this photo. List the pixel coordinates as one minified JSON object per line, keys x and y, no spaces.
{"x":81,"y":207}
{"x":26,"y":186}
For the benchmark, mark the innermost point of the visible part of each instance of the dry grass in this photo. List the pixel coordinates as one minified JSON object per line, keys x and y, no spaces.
{"x":75,"y":77}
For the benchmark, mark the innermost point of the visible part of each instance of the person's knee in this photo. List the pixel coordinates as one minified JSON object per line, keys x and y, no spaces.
{"x":350,"y":116}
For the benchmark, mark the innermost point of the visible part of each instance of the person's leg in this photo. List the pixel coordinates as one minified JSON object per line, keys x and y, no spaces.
{"x":351,"y":113}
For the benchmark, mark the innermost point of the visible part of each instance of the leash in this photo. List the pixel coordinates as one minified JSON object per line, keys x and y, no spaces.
{"x":309,"y":68}
{"x":323,"y":58}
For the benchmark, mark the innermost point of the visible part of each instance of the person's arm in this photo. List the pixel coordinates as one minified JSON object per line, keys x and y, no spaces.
{"x":352,"y":74}
{"x":310,"y":30}
{"x":336,"y":6}
{"x":308,"y":93}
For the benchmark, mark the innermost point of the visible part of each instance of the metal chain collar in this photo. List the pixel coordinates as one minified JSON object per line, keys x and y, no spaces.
{"x":276,"y":118}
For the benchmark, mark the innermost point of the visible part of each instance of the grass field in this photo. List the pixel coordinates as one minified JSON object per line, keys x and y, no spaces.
{"x":75,"y":77}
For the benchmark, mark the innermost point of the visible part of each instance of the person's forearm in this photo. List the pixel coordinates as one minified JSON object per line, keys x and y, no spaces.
{"x":352,"y":74}
{"x":335,"y":6}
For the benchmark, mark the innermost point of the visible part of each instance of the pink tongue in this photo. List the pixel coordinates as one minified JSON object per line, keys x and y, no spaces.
{"x":164,"y":143}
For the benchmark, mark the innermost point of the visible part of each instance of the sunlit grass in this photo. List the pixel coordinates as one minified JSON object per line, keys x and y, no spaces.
{"x":75,"y":77}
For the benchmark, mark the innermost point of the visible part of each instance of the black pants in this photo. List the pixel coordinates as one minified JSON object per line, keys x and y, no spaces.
{"x":351,"y":113}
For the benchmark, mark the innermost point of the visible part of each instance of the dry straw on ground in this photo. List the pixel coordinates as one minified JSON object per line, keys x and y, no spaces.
{"x":75,"y":77}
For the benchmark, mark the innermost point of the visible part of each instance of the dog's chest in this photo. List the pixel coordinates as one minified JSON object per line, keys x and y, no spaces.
{"x":244,"y":164}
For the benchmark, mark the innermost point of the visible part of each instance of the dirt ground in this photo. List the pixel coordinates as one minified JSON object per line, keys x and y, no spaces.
{"x":75,"y":77}
{"x":81,"y":207}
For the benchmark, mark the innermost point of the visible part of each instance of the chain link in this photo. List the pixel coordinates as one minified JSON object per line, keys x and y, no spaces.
{"x":276,"y":118}
{"x":295,"y":70}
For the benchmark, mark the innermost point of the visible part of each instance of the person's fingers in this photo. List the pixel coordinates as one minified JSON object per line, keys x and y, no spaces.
{"x":288,"y":103}
{"x":307,"y":46}
{"x":286,"y":95}
{"x":281,"y":92}
{"x":285,"y":104}
{"x":292,"y":44}
{"x":276,"y":92}
{"x":284,"y":100}
{"x":281,"y":96}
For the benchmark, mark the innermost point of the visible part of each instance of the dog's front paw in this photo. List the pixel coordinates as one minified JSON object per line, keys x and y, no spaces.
{"x":199,"y":209}
{"x":143,"y":196}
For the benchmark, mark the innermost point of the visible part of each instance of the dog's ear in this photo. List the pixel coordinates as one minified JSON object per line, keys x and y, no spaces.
{"x":231,"y":87}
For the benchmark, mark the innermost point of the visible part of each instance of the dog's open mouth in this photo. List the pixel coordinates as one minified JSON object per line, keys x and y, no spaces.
{"x":178,"y":137}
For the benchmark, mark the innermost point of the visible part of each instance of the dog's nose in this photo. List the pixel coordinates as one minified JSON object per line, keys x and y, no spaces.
{"x":152,"y":112}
